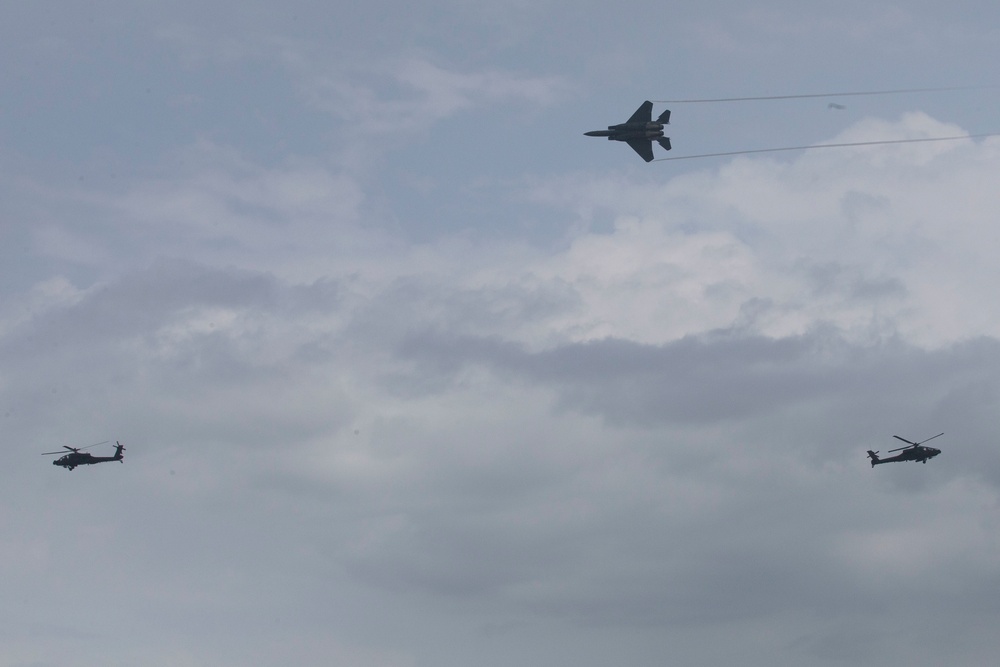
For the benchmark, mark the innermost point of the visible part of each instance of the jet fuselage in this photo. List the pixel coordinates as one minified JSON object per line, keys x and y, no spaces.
{"x":629,"y":131}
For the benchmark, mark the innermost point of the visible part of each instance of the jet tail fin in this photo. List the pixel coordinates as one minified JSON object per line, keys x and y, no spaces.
{"x":664,"y":118}
{"x":665,"y":142}
{"x":874,"y":457}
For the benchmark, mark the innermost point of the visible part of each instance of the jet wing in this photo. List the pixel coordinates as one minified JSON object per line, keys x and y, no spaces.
{"x":643,"y":114}
{"x":643,"y":147}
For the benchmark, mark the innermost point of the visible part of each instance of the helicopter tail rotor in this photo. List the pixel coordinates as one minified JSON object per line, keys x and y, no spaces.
{"x":874,"y":457}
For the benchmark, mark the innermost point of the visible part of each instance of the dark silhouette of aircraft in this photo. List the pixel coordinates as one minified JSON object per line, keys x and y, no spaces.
{"x":915,"y":451}
{"x":79,"y":458}
{"x":639,"y":131}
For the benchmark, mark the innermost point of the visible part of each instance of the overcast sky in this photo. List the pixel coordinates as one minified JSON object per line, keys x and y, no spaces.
{"x":411,"y":373}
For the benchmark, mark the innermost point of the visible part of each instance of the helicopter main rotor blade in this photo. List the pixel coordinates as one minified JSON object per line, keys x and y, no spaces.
{"x":929,"y":439}
{"x":93,"y":445}
{"x":76,"y":449}
{"x":72,"y":449}
{"x":900,"y":448}
{"x":904,"y":440}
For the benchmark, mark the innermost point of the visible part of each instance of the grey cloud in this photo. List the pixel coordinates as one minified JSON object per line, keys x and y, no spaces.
{"x":143,"y":301}
{"x":418,"y":302}
{"x":867,"y":391}
{"x":834,"y":277}
{"x":697,"y":379}
{"x":153,"y":332}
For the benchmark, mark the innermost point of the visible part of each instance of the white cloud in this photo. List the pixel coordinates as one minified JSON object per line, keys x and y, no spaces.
{"x":873,"y":239}
{"x":385,"y":100}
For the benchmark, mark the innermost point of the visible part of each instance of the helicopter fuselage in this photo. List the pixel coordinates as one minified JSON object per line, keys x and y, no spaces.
{"x":77,"y":458}
{"x":921,"y":454}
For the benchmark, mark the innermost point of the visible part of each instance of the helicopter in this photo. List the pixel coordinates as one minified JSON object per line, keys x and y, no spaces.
{"x":78,"y":458}
{"x":914,"y":451}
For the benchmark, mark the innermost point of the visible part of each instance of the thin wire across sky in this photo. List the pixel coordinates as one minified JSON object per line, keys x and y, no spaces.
{"x":855,"y":93}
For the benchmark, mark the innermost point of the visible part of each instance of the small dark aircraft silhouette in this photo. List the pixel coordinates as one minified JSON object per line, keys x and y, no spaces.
{"x":77,"y":458}
{"x":915,"y":451}
{"x":639,"y":131}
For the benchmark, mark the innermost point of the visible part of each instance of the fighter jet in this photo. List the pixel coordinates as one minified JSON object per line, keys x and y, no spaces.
{"x":639,"y":131}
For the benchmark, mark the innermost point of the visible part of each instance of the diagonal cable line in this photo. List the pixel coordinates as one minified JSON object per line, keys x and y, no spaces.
{"x":843,"y":145}
{"x":897,"y":91}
